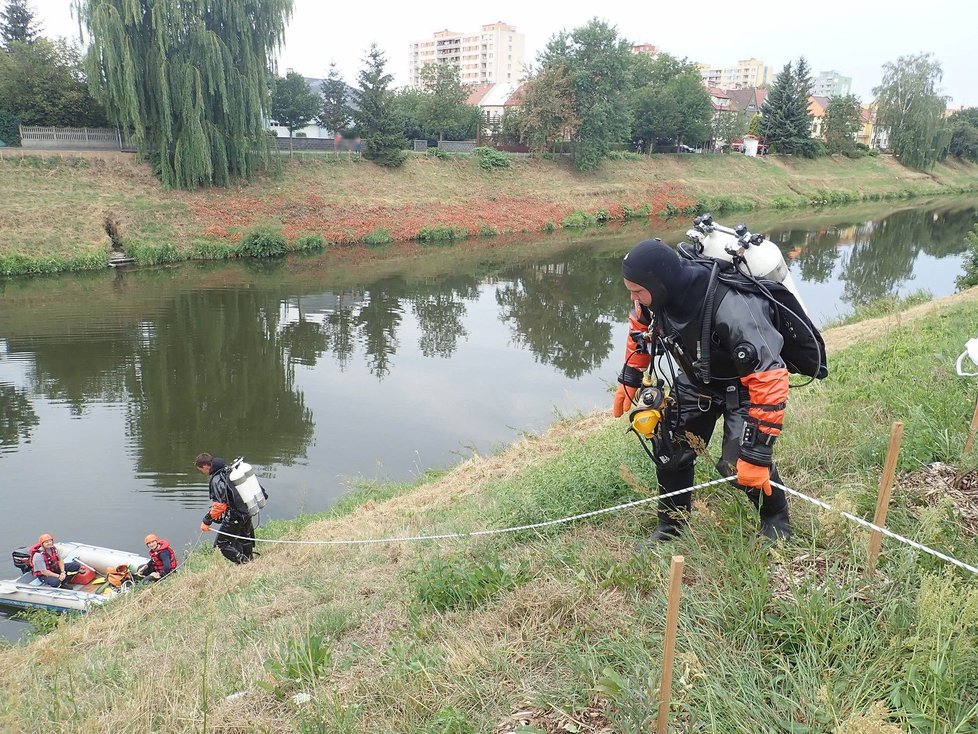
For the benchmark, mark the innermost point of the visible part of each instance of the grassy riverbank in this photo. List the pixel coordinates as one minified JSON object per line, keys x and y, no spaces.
{"x":64,"y":212}
{"x":563,"y":628}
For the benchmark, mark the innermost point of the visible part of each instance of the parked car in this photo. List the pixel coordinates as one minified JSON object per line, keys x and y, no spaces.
{"x":689,"y":149}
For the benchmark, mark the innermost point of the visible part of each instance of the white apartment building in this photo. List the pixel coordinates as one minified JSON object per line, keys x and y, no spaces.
{"x":831,"y":84}
{"x":746,"y":74}
{"x":491,"y":55}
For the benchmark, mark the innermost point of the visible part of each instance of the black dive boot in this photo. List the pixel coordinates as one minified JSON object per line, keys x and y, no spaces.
{"x":673,"y":515}
{"x":773,"y":509}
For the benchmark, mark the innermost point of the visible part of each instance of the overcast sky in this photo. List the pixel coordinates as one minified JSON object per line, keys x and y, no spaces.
{"x":852,"y":37}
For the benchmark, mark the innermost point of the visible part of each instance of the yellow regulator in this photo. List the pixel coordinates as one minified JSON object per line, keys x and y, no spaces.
{"x":649,"y":407}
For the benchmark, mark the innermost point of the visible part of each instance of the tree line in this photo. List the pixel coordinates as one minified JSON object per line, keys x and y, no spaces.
{"x":201,"y":114}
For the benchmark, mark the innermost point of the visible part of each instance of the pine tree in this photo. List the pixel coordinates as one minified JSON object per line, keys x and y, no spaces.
{"x":17,"y":24}
{"x":336,"y":113}
{"x":189,"y":79}
{"x":776,"y":121}
{"x":800,"y":111}
{"x":377,"y":121}
{"x":787,"y":122}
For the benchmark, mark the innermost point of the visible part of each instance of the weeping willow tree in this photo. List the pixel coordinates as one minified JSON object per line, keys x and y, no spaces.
{"x":189,"y":78}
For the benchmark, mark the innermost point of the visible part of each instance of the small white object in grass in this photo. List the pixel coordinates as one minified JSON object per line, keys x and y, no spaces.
{"x":302,"y":697}
{"x":239,"y":694}
{"x":970,"y":351}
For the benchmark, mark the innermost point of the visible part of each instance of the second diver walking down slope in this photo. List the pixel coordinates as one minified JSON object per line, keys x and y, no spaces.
{"x":228,"y":509}
{"x":745,"y":379}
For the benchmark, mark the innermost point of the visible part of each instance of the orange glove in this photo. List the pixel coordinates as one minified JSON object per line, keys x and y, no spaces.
{"x":754,"y":476}
{"x":624,"y":400}
{"x":205,"y":528}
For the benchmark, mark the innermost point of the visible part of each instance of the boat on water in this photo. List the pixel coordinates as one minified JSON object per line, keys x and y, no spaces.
{"x":28,"y":592}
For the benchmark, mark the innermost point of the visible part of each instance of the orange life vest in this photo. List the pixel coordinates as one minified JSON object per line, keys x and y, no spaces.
{"x":154,"y":557}
{"x":51,"y":560}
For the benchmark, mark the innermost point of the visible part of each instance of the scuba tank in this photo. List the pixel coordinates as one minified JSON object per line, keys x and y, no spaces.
{"x":252,"y":494}
{"x":754,"y":254}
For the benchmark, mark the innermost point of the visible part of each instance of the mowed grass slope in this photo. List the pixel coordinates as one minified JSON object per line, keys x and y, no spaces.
{"x":57,"y":208}
{"x":562,"y":629}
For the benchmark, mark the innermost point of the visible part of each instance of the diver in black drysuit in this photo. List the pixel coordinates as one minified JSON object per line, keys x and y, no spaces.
{"x":749,"y":386}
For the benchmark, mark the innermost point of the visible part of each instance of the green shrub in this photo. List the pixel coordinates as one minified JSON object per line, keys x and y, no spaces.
{"x":549,"y":226}
{"x":45,"y":621}
{"x":643,"y":211}
{"x":437,"y":153}
{"x":17,"y":264}
{"x":154,"y":254}
{"x":969,"y":278}
{"x":720,"y":204}
{"x":378,"y":236}
{"x":213,"y":250}
{"x":579,"y":219}
{"x":308,"y":242}
{"x":623,"y":155}
{"x":602,"y":216}
{"x":487,"y":230}
{"x":265,"y":240}
{"x":9,"y":128}
{"x":824,"y":197}
{"x":788,"y":202}
{"x":460,"y":582}
{"x":301,"y":663}
{"x":441,"y":233}
{"x":490,"y":159}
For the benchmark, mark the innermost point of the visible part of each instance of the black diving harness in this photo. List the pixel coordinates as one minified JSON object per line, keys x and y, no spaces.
{"x":655,"y":413}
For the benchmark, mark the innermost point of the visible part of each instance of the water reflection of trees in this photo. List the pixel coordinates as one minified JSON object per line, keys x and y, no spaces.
{"x":880,"y":253}
{"x":372,"y":318}
{"x":814,"y":251}
{"x":212,"y":376}
{"x":17,"y":416}
{"x":562,"y":312}
{"x":439,"y":306}
{"x":883,"y":252}
{"x":73,"y":367}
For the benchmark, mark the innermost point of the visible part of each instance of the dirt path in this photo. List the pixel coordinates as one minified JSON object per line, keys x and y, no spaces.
{"x":873,"y":329}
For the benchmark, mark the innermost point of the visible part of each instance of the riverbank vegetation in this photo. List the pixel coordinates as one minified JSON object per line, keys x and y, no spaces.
{"x":561,"y":629}
{"x":64,"y":212}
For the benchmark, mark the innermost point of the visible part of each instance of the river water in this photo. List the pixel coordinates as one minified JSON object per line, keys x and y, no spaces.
{"x":353,"y":365}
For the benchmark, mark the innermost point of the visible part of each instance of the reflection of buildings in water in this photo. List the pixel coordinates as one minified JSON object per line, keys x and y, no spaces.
{"x":315,"y":308}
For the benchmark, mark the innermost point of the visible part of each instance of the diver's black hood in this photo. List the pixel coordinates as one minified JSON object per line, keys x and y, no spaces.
{"x":678,"y":286}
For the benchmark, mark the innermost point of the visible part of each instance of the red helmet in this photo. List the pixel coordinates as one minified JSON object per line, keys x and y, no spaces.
{"x":45,"y":537}
{"x":150,"y":539}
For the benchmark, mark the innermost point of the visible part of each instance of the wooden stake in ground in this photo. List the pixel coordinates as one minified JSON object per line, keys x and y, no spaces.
{"x":883,"y":499}
{"x":969,"y":441}
{"x":669,"y":649}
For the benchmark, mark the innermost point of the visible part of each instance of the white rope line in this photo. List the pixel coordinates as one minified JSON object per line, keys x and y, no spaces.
{"x":497,"y":531}
{"x":884,"y":531}
{"x":616,"y":508}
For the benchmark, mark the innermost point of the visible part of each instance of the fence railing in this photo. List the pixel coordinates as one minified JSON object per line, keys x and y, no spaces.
{"x":73,"y":138}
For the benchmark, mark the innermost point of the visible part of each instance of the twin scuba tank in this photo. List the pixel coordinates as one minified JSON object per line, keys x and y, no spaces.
{"x":252,"y":494}
{"x":753,"y":255}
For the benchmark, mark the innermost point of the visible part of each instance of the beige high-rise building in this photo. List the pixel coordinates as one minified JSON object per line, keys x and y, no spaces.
{"x":487,"y":56}
{"x":746,"y":74}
